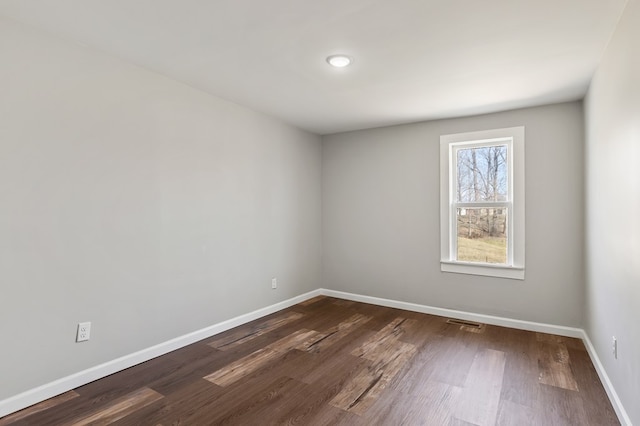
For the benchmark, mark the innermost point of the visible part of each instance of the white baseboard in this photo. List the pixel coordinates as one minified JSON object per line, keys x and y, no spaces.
{"x":504,"y":322}
{"x":606,"y":382}
{"x":451,"y":313}
{"x":49,"y":390}
{"x":81,"y":378}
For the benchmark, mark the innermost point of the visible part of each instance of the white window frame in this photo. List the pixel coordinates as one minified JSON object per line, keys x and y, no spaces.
{"x":513,"y":137}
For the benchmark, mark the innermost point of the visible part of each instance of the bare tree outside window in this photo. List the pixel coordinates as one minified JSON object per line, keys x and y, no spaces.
{"x":482,"y":177}
{"x":482,"y":203}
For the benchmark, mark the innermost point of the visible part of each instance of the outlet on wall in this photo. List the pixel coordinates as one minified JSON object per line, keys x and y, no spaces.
{"x":274,"y":283}
{"x":614,"y":347}
{"x":84,"y":332}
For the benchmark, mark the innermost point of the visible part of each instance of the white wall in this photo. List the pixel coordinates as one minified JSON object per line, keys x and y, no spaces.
{"x":137,"y":203}
{"x":613,"y":209}
{"x":381,"y":229}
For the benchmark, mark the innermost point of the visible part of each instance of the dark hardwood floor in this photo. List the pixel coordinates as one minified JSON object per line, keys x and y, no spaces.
{"x":330,"y":361}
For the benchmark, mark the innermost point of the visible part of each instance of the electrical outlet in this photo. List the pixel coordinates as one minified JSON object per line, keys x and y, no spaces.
{"x":614,"y":347}
{"x":84,"y":332}
{"x":274,"y":283}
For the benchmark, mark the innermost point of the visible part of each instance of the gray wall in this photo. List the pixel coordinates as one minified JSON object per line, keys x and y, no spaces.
{"x":153,"y":210}
{"x":613,"y":209}
{"x":137,"y":203}
{"x":381,"y":227}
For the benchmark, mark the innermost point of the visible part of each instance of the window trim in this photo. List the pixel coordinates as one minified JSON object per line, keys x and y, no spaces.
{"x":514,"y":269}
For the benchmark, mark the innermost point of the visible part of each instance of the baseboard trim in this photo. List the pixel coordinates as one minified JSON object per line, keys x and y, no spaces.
{"x":49,"y":390}
{"x":606,"y":382}
{"x":504,"y":322}
{"x":469,"y":316}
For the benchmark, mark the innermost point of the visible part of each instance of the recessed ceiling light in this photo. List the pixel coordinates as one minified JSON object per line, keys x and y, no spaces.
{"x":339,"y":61}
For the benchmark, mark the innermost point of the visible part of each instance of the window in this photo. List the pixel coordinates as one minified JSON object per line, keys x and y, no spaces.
{"x":482,"y":203}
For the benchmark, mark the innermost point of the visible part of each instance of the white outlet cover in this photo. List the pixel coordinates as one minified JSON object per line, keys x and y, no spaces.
{"x":84,"y":332}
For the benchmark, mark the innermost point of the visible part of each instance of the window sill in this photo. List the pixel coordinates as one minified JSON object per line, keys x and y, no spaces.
{"x":498,"y":271}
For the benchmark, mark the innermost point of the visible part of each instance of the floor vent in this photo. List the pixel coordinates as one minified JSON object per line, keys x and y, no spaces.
{"x":464,"y":323}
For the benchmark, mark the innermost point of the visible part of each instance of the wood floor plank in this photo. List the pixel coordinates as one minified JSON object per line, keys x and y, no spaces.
{"x":334,"y":334}
{"x":520,"y":384}
{"x":193,"y":362}
{"x":242,"y":367}
{"x":103,"y":392}
{"x":420,"y":370}
{"x":553,"y":363}
{"x":380,"y":316}
{"x":327,"y":362}
{"x":511,"y":413}
{"x":37,"y":408}
{"x":299,"y":404}
{"x":332,"y":416}
{"x":318,"y":370}
{"x":361,"y":392}
{"x":126,"y":381}
{"x":181,"y":406}
{"x":454,"y":358}
{"x":312,"y":300}
{"x":595,"y":403}
{"x":433,"y":404}
{"x":420,"y":329}
{"x":244,"y":334}
{"x":302,"y":339}
{"x":569,"y":342}
{"x":482,"y":389}
{"x":334,"y":362}
{"x":321,"y":391}
{"x":559,"y":406}
{"x":284,"y":392}
{"x":342,"y":302}
{"x":270,"y":389}
{"x":322,"y":320}
{"x":383,"y":340}
{"x":118,"y":408}
{"x":319,"y":307}
{"x":388,"y":355}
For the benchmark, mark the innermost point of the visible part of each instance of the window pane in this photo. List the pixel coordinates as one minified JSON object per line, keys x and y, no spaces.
{"x":482,"y":235}
{"x":482,"y":174}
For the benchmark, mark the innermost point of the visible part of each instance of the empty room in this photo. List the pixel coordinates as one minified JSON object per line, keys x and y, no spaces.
{"x":356,"y":212}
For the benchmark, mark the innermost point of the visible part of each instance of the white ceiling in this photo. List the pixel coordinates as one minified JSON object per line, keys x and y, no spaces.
{"x":414,"y":59}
